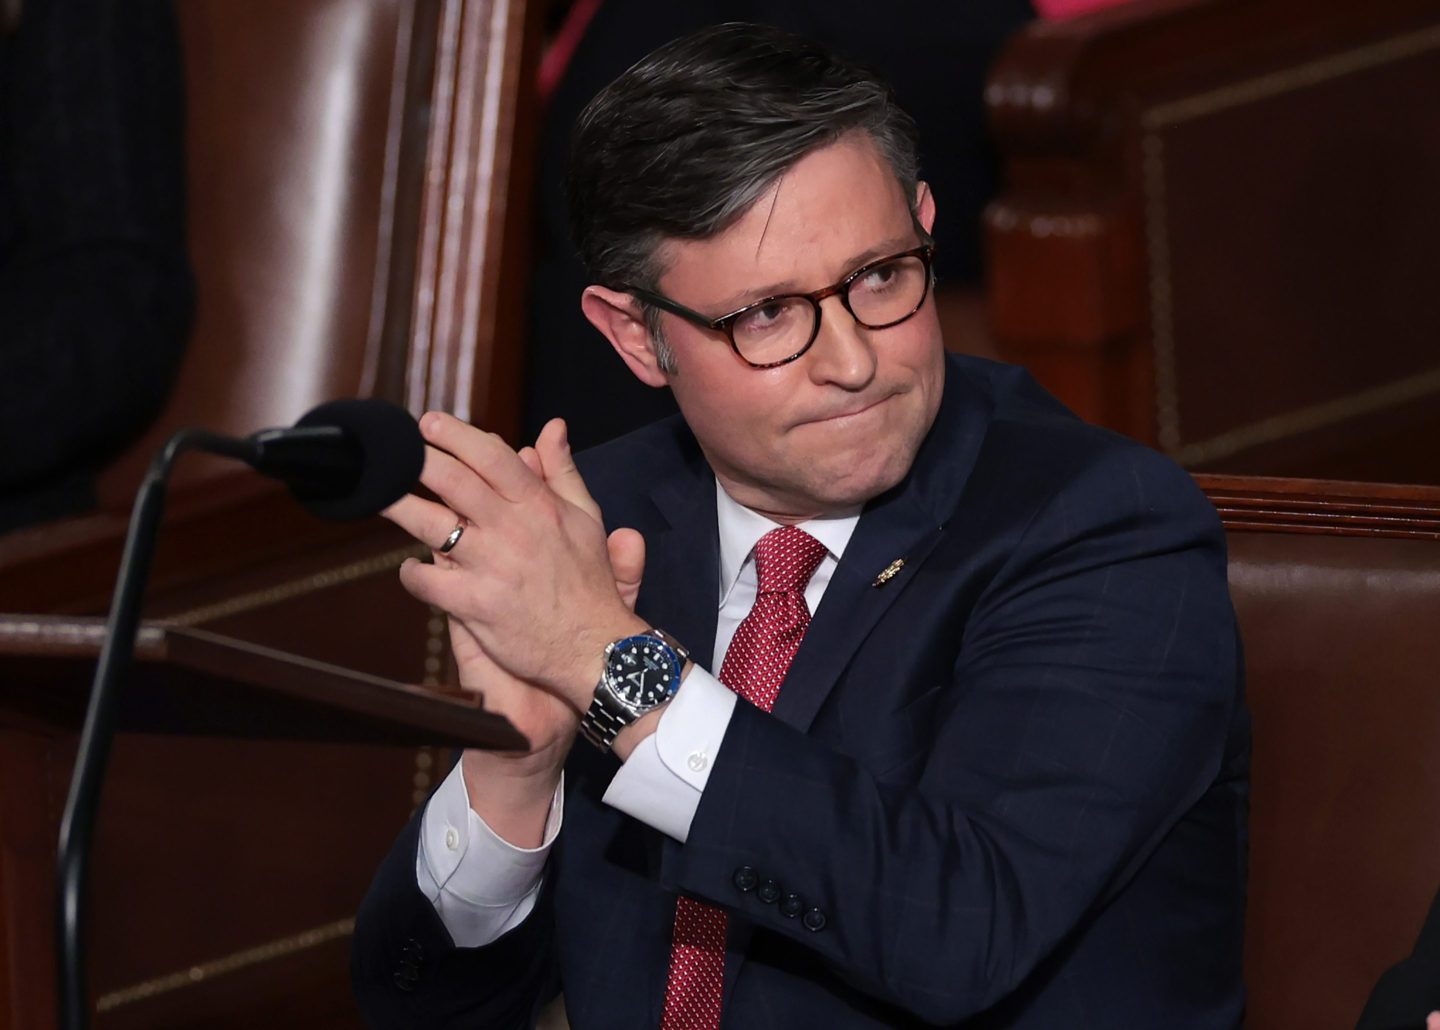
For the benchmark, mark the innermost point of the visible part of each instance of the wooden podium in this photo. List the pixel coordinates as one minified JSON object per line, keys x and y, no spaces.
{"x":282,"y":719}
{"x":197,"y":683}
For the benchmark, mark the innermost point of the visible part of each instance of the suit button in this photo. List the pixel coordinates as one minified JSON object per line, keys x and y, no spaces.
{"x":746,"y":878}
{"x":814,"y":920}
{"x":769,"y":892}
{"x":792,"y":906}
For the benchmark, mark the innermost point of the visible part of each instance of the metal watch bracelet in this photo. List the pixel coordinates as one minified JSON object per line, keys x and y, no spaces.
{"x":607,"y":715}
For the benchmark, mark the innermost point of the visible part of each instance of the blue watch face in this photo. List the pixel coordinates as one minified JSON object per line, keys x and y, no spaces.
{"x":643,"y":671}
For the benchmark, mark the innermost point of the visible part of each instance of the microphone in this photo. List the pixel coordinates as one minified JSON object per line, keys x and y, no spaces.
{"x":344,"y":460}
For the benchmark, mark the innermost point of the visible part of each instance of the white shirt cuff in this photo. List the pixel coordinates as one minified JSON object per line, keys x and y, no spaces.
{"x":481,"y":886}
{"x":662,"y":781}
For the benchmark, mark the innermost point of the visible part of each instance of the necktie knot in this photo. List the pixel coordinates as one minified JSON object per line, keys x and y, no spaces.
{"x":785,"y":559}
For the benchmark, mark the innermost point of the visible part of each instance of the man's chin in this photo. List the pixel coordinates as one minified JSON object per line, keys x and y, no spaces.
{"x":851,"y":486}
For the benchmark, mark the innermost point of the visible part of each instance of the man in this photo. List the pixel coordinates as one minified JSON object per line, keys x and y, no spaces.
{"x":976,"y":753}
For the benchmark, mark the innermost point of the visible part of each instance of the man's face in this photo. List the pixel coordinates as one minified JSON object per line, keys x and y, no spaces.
{"x":842,"y":423}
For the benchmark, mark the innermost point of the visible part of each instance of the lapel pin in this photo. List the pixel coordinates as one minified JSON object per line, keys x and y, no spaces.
{"x":889,"y":573}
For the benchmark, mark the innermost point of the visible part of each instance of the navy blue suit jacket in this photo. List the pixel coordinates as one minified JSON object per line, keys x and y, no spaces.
{"x":1007,"y":788}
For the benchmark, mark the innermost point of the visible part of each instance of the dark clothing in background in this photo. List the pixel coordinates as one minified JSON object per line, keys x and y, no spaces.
{"x":1409,"y":990}
{"x":936,"y":55}
{"x":95,"y":292}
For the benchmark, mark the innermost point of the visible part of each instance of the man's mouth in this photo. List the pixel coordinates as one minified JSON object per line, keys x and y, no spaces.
{"x":853,"y":411}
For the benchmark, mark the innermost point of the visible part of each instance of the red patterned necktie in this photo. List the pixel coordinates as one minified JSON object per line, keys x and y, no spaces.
{"x":755,"y":665}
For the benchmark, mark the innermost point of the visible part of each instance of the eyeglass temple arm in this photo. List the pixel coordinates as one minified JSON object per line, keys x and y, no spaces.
{"x":666,"y":304}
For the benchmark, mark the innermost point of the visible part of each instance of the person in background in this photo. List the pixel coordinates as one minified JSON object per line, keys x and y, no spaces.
{"x":95,"y":291}
{"x":1411,"y":987}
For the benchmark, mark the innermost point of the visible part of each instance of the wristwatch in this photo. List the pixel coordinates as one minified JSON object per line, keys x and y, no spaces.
{"x":641,"y":672}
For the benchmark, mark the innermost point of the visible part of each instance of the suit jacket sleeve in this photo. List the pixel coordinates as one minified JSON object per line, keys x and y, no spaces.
{"x":407,"y":972}
{"x":1087,"y":712}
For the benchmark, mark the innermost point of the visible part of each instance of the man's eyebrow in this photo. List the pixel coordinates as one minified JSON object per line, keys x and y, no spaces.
{"x":735,"y":301}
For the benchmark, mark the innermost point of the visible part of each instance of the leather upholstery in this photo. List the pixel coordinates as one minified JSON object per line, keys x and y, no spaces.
{"x":1341,"y":653}
{"x":289,"y":111}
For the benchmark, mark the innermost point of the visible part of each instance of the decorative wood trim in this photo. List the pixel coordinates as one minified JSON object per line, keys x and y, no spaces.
{"x":197,"y":974}
{"x":1273,"y":505}
{"x":474,"y":195}
{"x":1387,"y":396}
{"x":1288,"y":80}
{"x":1171,"y":113}
{"x":290,"y":589}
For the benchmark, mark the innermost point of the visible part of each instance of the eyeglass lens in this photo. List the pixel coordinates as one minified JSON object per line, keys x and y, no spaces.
{"x":886,"y":293}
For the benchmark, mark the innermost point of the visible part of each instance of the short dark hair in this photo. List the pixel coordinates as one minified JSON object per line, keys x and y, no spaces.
{"x":685,"y":141}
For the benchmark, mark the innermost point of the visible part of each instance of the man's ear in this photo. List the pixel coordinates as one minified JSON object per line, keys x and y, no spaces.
{"x":618,"y":317}
{"x":925,"y":207}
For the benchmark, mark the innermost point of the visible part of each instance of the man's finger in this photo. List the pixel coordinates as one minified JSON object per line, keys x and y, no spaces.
{"x":428,"y":522}
{"x":459,"y":486}
{"x":561,"y":475}
{"x":484,"y":453}
{"x":426,"y":583}
{"x":627,"y":561}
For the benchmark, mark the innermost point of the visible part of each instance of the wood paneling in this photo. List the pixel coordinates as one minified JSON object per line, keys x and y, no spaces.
{"x":1217,"y":232}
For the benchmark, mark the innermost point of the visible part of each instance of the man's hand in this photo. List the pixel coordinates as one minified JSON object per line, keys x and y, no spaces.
{"x":544,"y":719}
{"x":511,"y":791}
{"x":531,"y":577}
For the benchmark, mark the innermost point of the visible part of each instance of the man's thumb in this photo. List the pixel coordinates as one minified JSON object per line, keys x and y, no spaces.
{"x":561,"y":475}
{"x":627,"y":561}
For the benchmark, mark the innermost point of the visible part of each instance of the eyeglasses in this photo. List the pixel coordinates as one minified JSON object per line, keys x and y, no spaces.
{"x":779,"y":329}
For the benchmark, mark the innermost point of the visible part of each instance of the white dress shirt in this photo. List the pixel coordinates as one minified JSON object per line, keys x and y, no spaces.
{"x":483,"y":886}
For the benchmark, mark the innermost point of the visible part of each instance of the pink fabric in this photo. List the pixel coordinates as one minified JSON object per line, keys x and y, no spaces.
{"x":760,"y":654}
{"x":562,"y":48}
{"x":1058,"y":9}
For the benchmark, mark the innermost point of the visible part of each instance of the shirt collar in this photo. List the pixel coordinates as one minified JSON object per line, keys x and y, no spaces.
{"x":740,"y":528}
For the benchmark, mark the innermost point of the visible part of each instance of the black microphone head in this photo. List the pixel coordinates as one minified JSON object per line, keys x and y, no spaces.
{"x":392,"y":453}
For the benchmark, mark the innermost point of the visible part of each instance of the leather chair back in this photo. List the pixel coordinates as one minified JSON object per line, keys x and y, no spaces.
{"x":350,"y":202}
{"x":1338,"y":595}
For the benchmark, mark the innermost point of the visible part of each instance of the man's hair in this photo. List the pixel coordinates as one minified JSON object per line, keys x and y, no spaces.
{"x":684,"y":142}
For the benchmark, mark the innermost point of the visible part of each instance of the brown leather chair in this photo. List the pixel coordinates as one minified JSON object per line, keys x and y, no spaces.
{"x":1217,"y":232}
{"x":1337,"y":586}
{"x":358,"y":191}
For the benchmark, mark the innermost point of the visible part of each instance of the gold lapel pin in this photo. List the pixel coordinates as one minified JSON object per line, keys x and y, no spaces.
{"x":889,"y":573}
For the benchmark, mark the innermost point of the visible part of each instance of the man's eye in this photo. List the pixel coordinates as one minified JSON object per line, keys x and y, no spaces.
{"x":766,"y":318}
{"x":878,"y":279}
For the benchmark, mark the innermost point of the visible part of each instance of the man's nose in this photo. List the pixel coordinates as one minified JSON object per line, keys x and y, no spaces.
{"x":842,"y":354}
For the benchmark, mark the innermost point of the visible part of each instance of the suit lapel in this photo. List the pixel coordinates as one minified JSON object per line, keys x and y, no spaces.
{"x":682,"y":564}
{"x":852,"y":605}
{"x":906,"y":523}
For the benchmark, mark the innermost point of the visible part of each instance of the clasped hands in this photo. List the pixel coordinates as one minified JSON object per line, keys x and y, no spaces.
{"x":534,"y":589}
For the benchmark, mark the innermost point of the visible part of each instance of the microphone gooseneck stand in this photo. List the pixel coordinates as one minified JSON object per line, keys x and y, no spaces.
{"x":78,"y":824}
{"x":346,"y":459}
